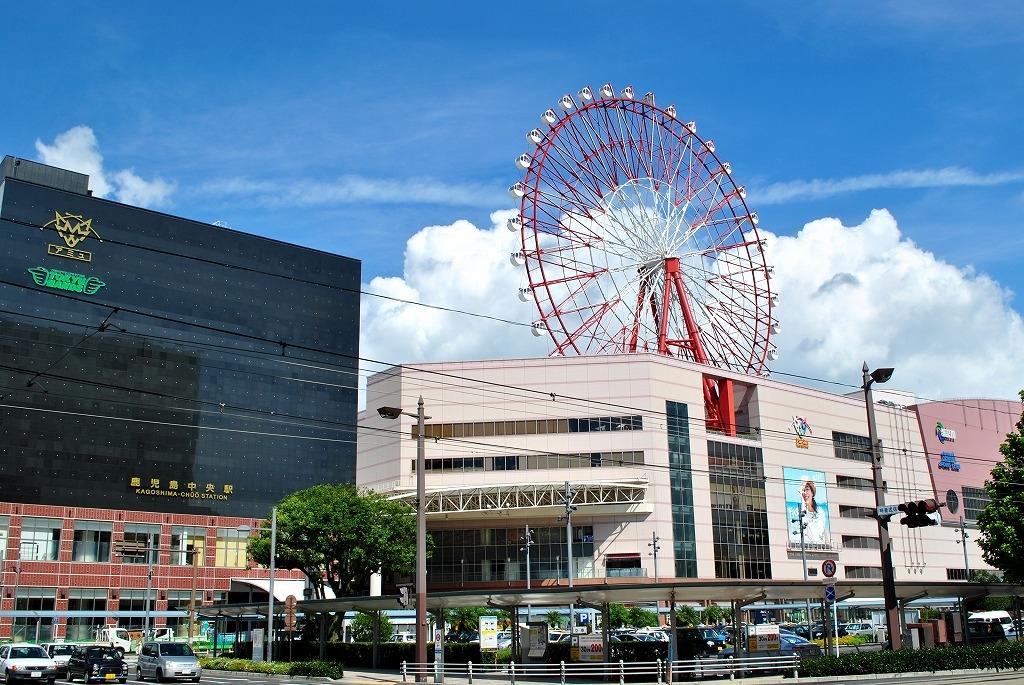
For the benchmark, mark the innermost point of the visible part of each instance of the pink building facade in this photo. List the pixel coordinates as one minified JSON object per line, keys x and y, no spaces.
{"x":961,"y":442}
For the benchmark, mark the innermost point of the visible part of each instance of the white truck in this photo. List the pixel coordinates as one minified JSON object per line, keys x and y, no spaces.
{"x":118,"y":638}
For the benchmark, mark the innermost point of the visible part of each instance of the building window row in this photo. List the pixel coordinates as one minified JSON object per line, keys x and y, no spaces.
{"x":956,"y":574}
{"x":860,"y":542}
{"x":855,"y":483}
{"x":92,"y":542}
{"x":852,"y":447}
{"x":486,"y":429}
{"x":499,"y":554}
{"x":534,"y":461}
{"x":975,"y":500}
{"x":851,"y":512}
{"x":870,"y":572}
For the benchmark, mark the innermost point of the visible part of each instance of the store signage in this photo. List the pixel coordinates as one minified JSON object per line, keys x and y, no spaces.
{"x":763,"y":637}
{"x":948,"y":462}
{"x":944,"y":434}
{"x":66,"y":280}
{"x":587,"y":648}
{"x":151,"y":487}
{"x":802,"y":430}
{"x":488,"y":632}
{"x":73,"y":229}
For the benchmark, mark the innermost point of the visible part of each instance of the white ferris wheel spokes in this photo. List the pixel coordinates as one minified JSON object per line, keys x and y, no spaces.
{"x":635,"y":237}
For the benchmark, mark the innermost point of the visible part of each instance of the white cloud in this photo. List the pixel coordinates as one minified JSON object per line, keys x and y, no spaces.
{"x":78,"y":150}
{"x":352,"y":189}
{"x":459,"y":266}
{"x":848,"y":294}
{"x":787,"y":191}
{"x":866,"y":292}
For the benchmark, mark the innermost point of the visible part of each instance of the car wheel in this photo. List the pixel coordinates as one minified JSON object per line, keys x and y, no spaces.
{"x":122,"y":680}
{"x":159,"y":676}
{"x":138,"y":674}
{"x":195,"y":680}
{"x":69,"y":676}
{"x":52,"y":680}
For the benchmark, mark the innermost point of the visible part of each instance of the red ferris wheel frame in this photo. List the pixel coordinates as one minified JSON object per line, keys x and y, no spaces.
{"x":636,"y":238}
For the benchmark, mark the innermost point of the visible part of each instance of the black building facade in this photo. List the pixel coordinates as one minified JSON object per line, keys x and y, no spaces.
{"x":153,"y":363}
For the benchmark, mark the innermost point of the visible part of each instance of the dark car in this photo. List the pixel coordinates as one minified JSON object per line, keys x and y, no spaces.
{"x":979,"y":632}
{"x":95,"y":663}
{"x":691,"y":643}
{"x":790,"y":644}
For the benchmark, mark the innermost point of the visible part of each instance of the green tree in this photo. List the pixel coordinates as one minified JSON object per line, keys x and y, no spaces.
{"x":554,"y":619}
{"x":642,"y":618}
{"x":989,"y":603}
{"x":362,"y":626}
{"x":339,"y":536}
{"x":1002,"y":519}
{"x":618,"y":615}
{"x":714,"y":614}
{"x":686,"y":615}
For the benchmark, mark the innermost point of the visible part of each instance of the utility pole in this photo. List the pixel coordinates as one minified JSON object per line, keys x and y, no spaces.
{"x":569,"y":508}
{"x":893,"y":622}
{"x":964,"y":537}
{"x":803,"y":559}
{"x":527,"y":544}
{"x":192,"y":594}
{"x":149,"y":582}
{"x":655,"y":548}
{"x":270,"y":586}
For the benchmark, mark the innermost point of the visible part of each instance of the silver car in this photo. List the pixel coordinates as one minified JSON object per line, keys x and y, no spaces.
{"x":23,"y":661}
{"x":168,"y":661}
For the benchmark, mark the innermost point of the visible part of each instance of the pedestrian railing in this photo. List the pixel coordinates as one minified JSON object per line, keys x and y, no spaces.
{"x":633,"y":671}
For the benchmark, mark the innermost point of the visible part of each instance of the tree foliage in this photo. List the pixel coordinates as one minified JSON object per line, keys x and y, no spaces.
{"x":362,"y":627}
{"x":1002,"y":519}
{"x":555,"y":619}
{"x":339,"y":536}
{"x":618,"y":615}
{"x":714,"y":614}
{"x":686,"y":615}
{"x":642,"y":618}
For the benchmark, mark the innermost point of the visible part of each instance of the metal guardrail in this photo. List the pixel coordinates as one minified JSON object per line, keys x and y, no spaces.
{"x":634,"y":671}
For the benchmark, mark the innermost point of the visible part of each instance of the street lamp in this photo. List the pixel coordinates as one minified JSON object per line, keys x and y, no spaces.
{"x":421,"y":527}
{"x":892,"y":608}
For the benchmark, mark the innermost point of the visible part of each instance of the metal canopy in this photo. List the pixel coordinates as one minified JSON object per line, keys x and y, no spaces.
{"x":742,"y":591}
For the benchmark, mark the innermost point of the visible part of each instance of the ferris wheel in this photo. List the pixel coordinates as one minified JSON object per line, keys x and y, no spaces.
{"x":636,"y":237}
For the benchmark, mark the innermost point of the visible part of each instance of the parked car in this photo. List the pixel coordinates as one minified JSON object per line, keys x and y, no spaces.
{"x":22,"y":661}
{"x":61,"y":653}
{"x":713,"y":635}
{"x":861,"y":629}
{"x":402,"y":637}
{"x":789,"y":645}
{"x":97,"y":662}
{"x":168,"y":661}
{"x":979,"y":632}
{"x":691,"y":643}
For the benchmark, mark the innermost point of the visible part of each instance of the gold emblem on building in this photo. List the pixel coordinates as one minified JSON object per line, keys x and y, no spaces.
{"x":73,"y":229}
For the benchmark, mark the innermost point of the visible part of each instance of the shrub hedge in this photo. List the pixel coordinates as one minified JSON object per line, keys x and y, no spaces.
{"x":997,"y":655}
{"x":317,"y":669}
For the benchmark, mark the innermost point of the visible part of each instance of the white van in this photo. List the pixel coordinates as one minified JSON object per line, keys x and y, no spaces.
{"x":1001,"y":617}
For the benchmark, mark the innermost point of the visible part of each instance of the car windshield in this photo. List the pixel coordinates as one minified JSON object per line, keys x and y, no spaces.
{"x":105,"y":653}
{"x":794,"y":640}
{"x":28,"y":653}
{"x":61,"y":649}
{"x":176,"y":649}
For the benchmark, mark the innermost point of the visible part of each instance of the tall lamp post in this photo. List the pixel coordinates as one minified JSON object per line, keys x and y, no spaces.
{"x":892,"y":607}
{"x":421,"y":528}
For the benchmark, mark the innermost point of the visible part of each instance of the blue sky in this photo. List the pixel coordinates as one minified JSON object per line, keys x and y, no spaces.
{"x":352,"y":126}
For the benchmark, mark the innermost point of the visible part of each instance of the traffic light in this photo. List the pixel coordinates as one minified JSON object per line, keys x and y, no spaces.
{"x":403,"y":595}
{"x":917,"y":513}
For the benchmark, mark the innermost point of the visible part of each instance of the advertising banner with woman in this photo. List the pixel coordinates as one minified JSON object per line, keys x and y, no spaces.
{"x":805,"y":490}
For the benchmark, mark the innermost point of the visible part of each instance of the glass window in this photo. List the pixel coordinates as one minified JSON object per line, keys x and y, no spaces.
{"x":849,"y":446}
{"x":684,"y":546}
{"x":860,"y":542}
{"x":4,"y":527}
{"x":873,"y":572}
{"x":34,"y":628}
{"x":40,"y":539}
{"x":956,"y":574}
{"x":975,"y":500}
{"x":142,"y":543}
{"x":231,"y":548}
{"x":855,"y":483}
{"x":849,"y":512}
{"x":188,"y":545}
{"x":739,"y":511}
{"x":91,"y":541}
{"x":83,"y":628}
{"x":135,"y":601}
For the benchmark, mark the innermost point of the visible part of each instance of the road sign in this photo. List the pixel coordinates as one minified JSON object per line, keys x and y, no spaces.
{"x":830,"y":593}
{"x":828,"y":568}
{"x":887,"y":510}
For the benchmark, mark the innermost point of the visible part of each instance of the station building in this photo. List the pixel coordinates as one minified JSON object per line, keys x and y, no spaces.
{"x":164,"y":383}
{"x":656,"y":493}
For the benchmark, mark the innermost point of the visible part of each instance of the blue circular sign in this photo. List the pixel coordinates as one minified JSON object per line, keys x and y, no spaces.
{"x":828,"y":568}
